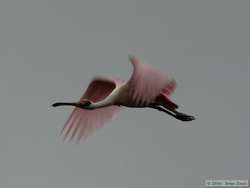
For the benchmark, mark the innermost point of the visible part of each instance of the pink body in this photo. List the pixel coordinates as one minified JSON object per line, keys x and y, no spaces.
{"x":146,"y":85}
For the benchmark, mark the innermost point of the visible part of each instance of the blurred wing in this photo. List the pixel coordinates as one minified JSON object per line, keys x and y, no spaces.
{"x":83,"y":123}
{"x":146,"y":83}
{"x":170,"y":87}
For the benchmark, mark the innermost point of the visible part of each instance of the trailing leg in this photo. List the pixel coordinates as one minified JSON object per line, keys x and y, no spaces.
{"x":173,"y":112}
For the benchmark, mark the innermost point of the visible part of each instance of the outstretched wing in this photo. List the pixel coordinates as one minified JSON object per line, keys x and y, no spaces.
{"x":146,"y":83}
{"x":170,"y":87}
{"x":82,"y":123}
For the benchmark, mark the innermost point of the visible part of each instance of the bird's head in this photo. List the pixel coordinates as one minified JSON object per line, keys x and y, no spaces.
{"x":85,"y":103}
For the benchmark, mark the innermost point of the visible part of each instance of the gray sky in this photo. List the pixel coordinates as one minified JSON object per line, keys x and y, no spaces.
{"x":49,"y":50}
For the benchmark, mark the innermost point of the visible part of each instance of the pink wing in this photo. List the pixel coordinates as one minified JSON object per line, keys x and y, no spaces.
{"x":146,"y":83}
{"x":82,"y":123}
{"x":170,"y":87}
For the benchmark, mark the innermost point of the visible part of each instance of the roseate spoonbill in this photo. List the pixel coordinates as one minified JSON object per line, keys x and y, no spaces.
{"x":147,"y":87}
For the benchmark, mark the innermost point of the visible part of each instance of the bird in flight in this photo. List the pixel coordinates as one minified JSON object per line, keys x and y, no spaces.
{"x":146,"y":88}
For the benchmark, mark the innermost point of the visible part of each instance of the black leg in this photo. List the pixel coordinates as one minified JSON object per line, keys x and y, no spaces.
{"x":183,"y":117}
{"x":160,"y":108}
{"x":174,"y":113}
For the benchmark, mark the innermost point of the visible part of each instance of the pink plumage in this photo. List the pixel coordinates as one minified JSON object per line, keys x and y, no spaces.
{"x":146,"y":83}
{"x":147,"y":87}
{"x":85,"y":122}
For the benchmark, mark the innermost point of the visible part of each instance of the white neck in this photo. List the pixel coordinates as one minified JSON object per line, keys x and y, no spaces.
{"x":108,"y":101}
{"x":99,"y":104}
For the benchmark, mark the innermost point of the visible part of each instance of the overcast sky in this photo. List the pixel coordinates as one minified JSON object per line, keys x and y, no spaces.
{"x":50,"y":50}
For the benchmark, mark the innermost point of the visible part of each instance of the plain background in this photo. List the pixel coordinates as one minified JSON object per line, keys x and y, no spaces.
{"x":49,"y":51}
